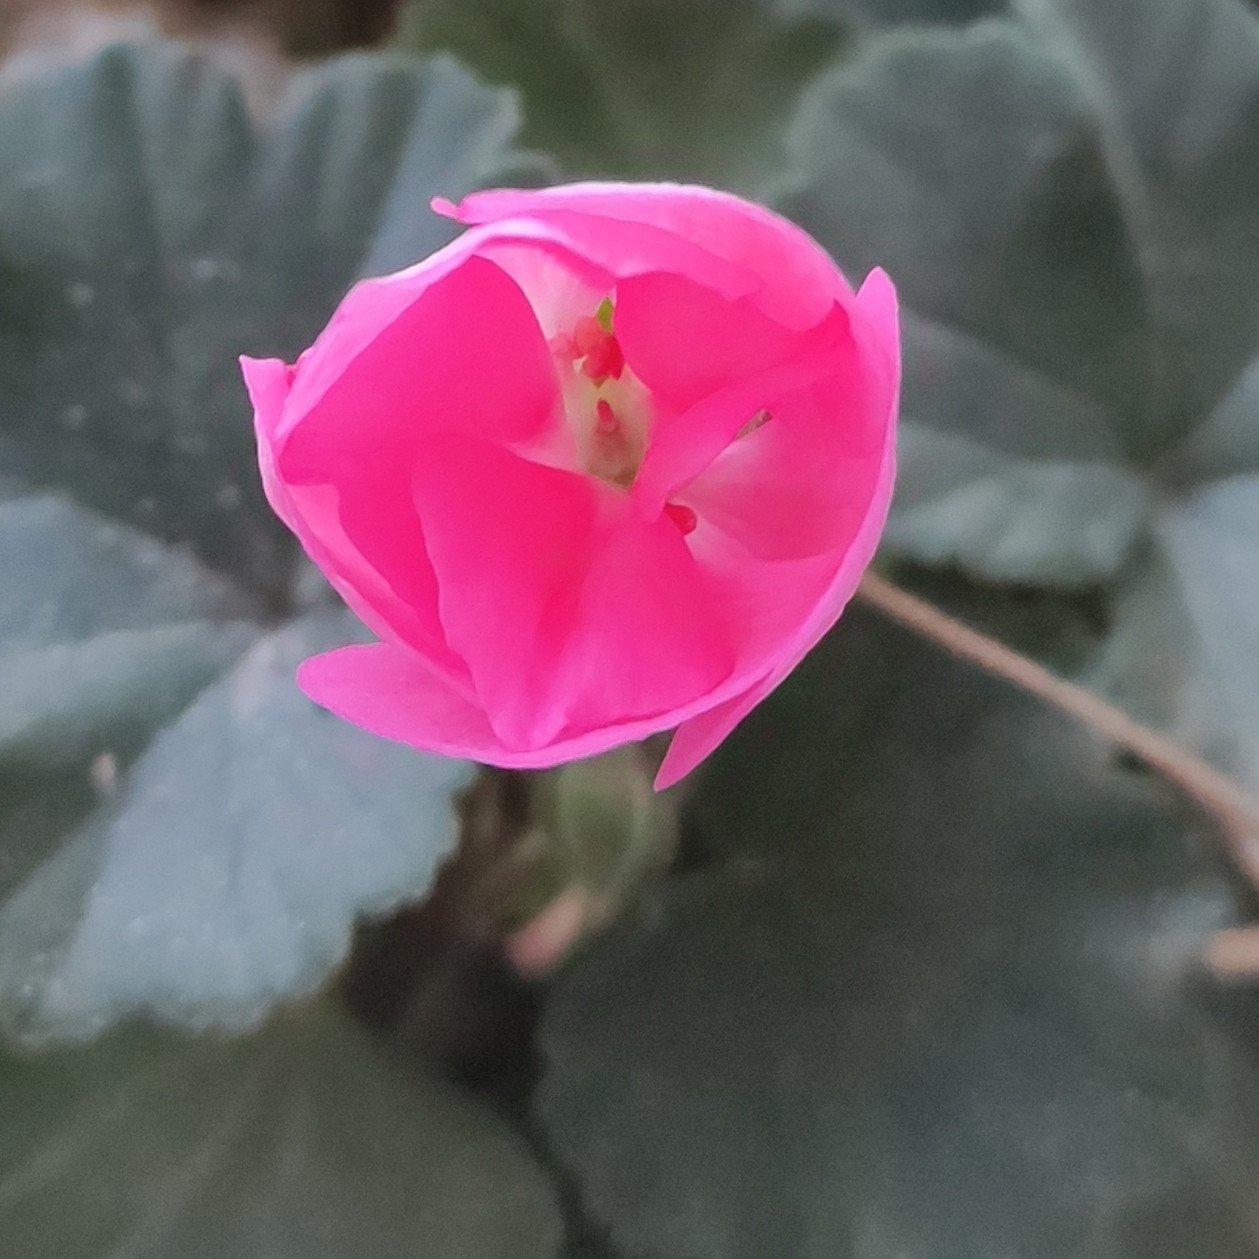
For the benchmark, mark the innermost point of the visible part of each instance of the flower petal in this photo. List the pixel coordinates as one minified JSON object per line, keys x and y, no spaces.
{"x":698,"y":736}
{"x":648,"y":636}
{"x":792,"y":277}
{"x":392,"y":693}
{"x":793,"y":487}
{"x":341,"y":478}
{"x":685,"y":341}
{"x":465,"y":354}
{"x":267,"y":382}
{"x":405,"y":608}
{"x":684,"y":446}
{"x":568,"y":610}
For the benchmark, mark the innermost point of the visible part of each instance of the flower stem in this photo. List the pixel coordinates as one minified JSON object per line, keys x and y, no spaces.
{"x":1231,"y":954}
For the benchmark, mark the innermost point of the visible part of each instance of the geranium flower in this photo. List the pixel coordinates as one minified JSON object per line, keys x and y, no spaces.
{"x":611,"y":463}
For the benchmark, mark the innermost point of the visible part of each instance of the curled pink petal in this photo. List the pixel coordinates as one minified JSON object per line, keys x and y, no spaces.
{"x":314,"y":513}
{"x":571,"y":590}
{"x":609,"y":464}
{"x":686,"y":341}
{"x":698,"y":736}
{"x":795,"y":281}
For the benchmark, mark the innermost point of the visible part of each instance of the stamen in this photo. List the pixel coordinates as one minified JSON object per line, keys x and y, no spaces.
{"x":762,"y":417}
{"x":682,"y":516}
{"x":587,"y":333}
{"x":598,"y":349}
{"x":603,"y":361}
{"x":606,"y":421}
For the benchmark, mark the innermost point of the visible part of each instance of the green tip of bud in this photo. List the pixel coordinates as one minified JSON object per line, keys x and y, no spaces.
{"x":604,"y":314}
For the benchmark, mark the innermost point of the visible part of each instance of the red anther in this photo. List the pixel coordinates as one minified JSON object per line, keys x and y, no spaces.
{"x":615,"y":357}
{"x":561,"y":345}
{"x":603,"y":359}
{"x":682,"y":516}
{"x":606,"y":421}
{"x":587,"y":334}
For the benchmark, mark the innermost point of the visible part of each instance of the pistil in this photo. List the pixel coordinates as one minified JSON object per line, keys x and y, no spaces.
{"x":608,"y":408}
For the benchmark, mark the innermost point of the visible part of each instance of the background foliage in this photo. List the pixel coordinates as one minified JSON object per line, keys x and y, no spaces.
{"x":920,"y":973}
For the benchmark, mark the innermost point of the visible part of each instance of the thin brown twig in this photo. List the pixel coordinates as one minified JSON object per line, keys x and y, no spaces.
{"x":1232,"y":954}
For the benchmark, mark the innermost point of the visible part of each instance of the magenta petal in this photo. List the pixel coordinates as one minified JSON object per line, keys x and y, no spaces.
{"x":580,"y":615}
{"x":698,"y":736}
{"x":786,"y":490}
{"x":803,"y":481}
{"x":466,"y":354}
{"x":767,"y":600}
{"x":313,"y":513}
{"x":405,"y":608}
{"x":648,"y":636}
{"x":695,"y":740}
{"x":267,"y":381}
{"x":685,"y":341}
{"x":341,"y":478}
{"x":510,"y":541}
{"x":796,"y":282}
{"x":878,"y":332}
{"x":395,"y":591}
{"x":393,"y":693}
{"x":683,"y":446}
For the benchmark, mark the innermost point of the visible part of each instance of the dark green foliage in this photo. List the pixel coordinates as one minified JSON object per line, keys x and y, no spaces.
{"x":925,"y":983}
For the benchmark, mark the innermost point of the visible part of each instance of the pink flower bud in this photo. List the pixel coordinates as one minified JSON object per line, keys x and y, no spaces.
{"x":610,"y":463}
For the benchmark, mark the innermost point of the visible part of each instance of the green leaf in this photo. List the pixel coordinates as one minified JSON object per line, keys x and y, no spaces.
{"x":1068,"y":204}
{"x":151,"y":231}
{"x":303,"y":1140}
{"x":152,"y":228}
{"x":1174,"y":85}
{"x":1184,"y":650}
{"x":1212,"y":540}
{"x":1012,"y":251}
{"x":1227,"y":443}
{"x":934,"y":996}
{"x":104,"y":633}
{"x":1045,"y":239}
{"x":230,"y":869}
{"x":687,"y":89}
{"x":1021,"y":294}
{"x":886,"y":12}
{"x":1000,"y":518}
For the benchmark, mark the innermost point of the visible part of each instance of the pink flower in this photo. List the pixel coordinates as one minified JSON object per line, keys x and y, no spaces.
{"x":610,"y":463}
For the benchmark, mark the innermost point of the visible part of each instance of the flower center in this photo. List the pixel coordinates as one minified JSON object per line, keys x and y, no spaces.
{"x":607,"y":406}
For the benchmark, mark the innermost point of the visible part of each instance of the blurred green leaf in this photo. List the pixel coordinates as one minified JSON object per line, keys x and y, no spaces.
{"x":893,"y":11}
{"x":1055,"y":521}
{"x":151,"y":231}
{"x":1069,"y":204}
{"x":935,"y":995}
{"x":965,"y":164}
{"x":228,"y":872}
{"x":1184,"y":648}
{"x":1227,"y":442}
{"x":155,"y":224}
{"x":683,"y":89}
{"x":1174,"y":86}
{"x":104,"y":633}
{"x":303,"y":1140}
